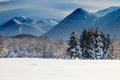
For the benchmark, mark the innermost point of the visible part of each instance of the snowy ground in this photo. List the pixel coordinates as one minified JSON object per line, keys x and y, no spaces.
{"x":50,"y":69}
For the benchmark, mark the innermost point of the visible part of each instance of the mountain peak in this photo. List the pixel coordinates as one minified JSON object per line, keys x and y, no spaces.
{"x":76,"y":21}
{"x":13,"y":21}
{"x":78,"y":15}
{"x":79,"y":10}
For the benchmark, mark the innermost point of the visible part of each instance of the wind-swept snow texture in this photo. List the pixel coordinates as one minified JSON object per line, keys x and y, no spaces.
{"x":51,"y":69}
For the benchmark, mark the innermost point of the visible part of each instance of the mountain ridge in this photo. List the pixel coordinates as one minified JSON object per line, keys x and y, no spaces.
{"x":77,"y":18}
{"x":80,"y":19}
{"x":106,"y":11}
{"x":76,"y":21}
{"x":24,"y":25}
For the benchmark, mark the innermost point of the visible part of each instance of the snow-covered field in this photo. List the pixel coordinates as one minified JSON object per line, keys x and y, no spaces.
{"x":52,"y":69}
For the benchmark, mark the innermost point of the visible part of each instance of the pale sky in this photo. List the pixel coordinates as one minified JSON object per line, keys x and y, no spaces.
{"x":60,"y":8}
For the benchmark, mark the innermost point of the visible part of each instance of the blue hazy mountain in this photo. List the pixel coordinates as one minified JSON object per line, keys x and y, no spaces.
{"x":76,"y":21}
{"x":47,"y":24}
{"x":23,"y":25}
{"x":28,"y":12}
{"x":107,"y":19}
{"x":110,"y":23}
{"x":8,"y":14}
{"x":80,"y":19}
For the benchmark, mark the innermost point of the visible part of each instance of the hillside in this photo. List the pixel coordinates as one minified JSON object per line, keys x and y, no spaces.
{"x":81,"y":19}
{"x":23,"y":25}
{"x":76,"y":21}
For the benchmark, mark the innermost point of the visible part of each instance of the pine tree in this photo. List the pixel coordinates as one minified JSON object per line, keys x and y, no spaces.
{"x":99,"y":50}
{"x":86,"y":43}
{"x":94,"y":44}
{"x":74,"y":48}
{"x":108,"y":48}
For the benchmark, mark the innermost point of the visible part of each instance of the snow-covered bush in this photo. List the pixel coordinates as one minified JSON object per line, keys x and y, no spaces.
{"x":32,"y":47}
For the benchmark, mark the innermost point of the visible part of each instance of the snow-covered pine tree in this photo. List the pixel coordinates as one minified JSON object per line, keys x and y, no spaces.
{"x":86,"y":44}
{"x":108,"y":47}
{"x":83,"y":41}
{"x":74,"y":49}
{"x":99,"y":45}
{"x":94,"y":44}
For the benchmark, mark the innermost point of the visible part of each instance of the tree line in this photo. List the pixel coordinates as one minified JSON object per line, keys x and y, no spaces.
{"x":32,"y":47}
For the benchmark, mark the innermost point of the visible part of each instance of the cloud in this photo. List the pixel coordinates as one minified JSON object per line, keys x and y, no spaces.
{"x":93,"y":5}
{"x":57,"y":8}
{"x":11,"y":4}
{"x":66,"y":6}
{"x":4,"y":0}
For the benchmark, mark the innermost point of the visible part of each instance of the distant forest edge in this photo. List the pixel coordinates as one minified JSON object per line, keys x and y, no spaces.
{"x":25,"y":45}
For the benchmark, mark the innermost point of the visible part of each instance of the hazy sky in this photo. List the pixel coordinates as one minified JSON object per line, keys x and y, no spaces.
{"x":58,"y":8}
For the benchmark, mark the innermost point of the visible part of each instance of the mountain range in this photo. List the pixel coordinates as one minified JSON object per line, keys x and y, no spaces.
{"x":107,"y":20}
{"x":23,"y":25}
